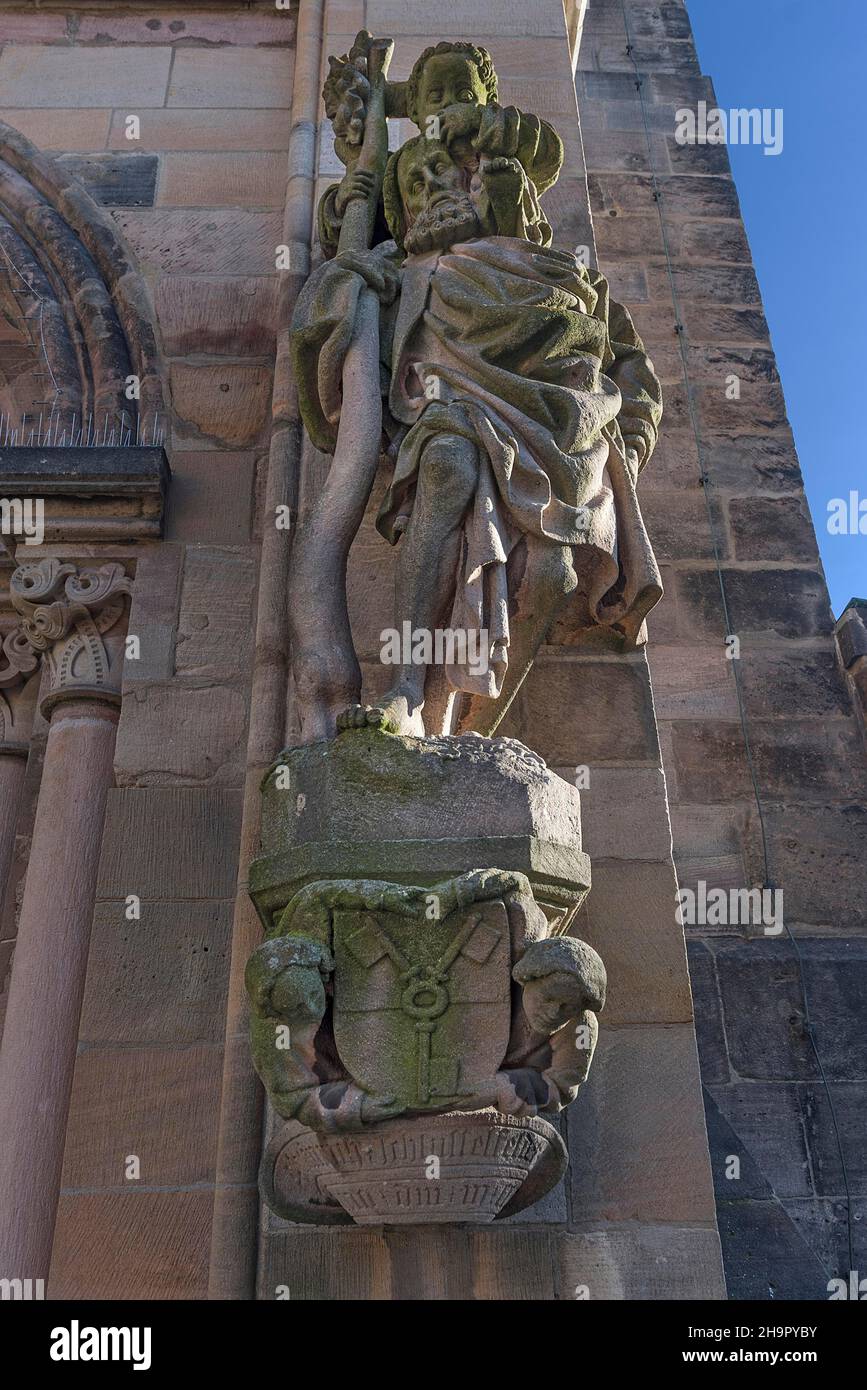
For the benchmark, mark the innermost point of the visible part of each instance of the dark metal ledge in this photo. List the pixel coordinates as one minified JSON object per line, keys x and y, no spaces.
{"x":91,"y":496}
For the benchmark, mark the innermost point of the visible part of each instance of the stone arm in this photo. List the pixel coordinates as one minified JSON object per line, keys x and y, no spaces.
{"x":506,"y":132}
{"x":323,"y":328}
{"x":333,"y":204}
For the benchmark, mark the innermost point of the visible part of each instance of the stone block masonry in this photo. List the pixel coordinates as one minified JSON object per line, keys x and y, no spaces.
{"x":179,"y":121}
{"x":686,"y":257}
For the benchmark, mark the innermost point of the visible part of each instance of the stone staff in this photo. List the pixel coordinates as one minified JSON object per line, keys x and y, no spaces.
{"x":327,"y":673}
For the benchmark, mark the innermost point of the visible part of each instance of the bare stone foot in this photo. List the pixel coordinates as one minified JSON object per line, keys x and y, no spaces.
{"x":392,"y":715}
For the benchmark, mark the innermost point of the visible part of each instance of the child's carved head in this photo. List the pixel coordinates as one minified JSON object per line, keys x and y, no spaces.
{"x":449,"y":74}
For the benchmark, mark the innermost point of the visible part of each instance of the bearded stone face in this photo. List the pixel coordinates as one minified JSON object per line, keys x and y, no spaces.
{"x":437,"y":206}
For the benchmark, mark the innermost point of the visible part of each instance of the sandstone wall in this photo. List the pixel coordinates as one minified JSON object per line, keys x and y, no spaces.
{"x":199,"y":198}
{"x":783,"y":1223}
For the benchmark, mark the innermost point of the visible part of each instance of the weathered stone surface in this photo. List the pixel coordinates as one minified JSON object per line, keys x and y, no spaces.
{"x":773,"y":602}
{"x":677,"y":523}
{"x":153,"y":615}
{"x":711,"y":324}
{"x":223,"y":404}
{"x":753,"y":463}
{"x":823,"y":1129}
{"x":769,"y":1120}
{"x":566,"y":208}
{"x":818,"y":854}
{"x":116,"y":180}
{"x":836,"y":977}
{"x":211,"y":499}
{"x":712,"y":240}
{"x":746,"y":1182}
{"x":641,"y":1106}
{"x":775,"y":529}
{"x":629,"y":918}
{"x":851,"y":632}
{"x":158,"y":1104}
{"x":195,"y":25}
{"x":683,"y":194}
{"x":623,"y":813}
{"x":147,"y":1245}
{"x":233,"y":315}
{"x":694,"y":682}
{"x":618,"y":150}
{"x":763,"y":1003}
{"x":313,"y":1265}
{"x":159,"y":978}
{"x":399,"y":18}
{"x":236,"y":78}
{"x":766,"y":1256}
{"x":675,"y":460}
{"x":709,"y":1031}
{"x":774,"y":682}
{"x":646,"y":1262}
{"x":824,"y":1227}
{"x":167,"y":843}
{"x":223,"y":181}
{"x":597,"y":696}
{"x":507,"y":1264}
{"x":761,"y":406}
{"x":216,"y":622}
{"x":513,"y":56}
{"x":613,"y":54}
{"x":208,"y":742}
{"x":176,"y":128}
{"x":47,"y":76}
{"x":187,"y":242}
{"x":80,"y":129}
{"x":807,"y":759}
{"x":39,"y":28}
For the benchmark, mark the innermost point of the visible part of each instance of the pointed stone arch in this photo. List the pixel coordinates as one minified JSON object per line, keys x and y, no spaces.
{"x":75,"y":314}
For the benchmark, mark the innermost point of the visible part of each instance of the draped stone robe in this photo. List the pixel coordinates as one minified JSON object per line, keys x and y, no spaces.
{"x":535,"y":364}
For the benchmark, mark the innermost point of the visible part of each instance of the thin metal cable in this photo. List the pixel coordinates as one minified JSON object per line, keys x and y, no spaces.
{"x":680,"y":329}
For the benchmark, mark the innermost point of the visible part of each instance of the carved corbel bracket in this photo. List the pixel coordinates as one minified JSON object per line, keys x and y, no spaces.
{"x":75,"y":618}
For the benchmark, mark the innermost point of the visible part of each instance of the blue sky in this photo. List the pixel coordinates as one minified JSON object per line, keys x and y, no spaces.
{"x":806,"y":217}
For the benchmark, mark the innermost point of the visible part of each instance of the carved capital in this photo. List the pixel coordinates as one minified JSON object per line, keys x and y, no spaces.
{"x":75,"y":619}
{"x":19,"y":684}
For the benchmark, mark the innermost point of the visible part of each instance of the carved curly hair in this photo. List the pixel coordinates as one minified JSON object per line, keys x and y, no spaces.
{"x":391,"y":199}
{"x":478,"y":56}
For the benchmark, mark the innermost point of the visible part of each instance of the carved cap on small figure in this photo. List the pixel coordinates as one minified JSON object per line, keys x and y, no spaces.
{"x":567,"y":956}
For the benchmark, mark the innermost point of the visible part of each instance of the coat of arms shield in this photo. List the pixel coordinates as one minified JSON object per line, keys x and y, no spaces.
{"x":422,"y":1008}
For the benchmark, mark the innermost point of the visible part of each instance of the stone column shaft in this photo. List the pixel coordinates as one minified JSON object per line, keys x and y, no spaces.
{"x":76,"y":619}
{"x":13,"y":766}
{"x":41,"y":1032}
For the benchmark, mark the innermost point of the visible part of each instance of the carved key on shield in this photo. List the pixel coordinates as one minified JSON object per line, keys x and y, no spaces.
{"x":425,"y":998}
